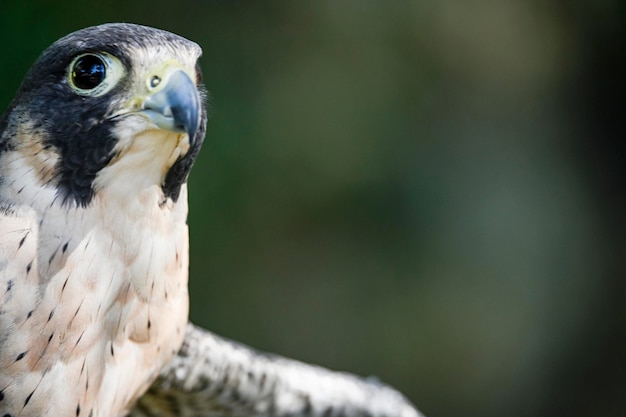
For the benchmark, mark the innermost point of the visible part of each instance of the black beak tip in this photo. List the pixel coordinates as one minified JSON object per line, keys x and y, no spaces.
{"x":186,"y":119}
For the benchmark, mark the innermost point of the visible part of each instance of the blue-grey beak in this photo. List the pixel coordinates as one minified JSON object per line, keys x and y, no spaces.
{"x":176,"y":106}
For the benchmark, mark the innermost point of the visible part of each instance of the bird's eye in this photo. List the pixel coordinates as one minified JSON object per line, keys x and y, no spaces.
{"x":94,"y":74}
{"x":88,"y":72}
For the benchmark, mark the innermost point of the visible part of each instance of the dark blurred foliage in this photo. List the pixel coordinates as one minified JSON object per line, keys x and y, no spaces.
{"x":430,"y":192}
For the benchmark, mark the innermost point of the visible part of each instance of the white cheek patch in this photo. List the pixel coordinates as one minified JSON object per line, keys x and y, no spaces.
{"x":143,"y":158}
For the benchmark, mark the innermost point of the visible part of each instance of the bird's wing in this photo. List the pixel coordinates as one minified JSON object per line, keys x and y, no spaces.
{"x":212,"y":376}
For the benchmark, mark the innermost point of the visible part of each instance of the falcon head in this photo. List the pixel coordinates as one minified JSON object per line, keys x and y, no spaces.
{"x":109,"y":109}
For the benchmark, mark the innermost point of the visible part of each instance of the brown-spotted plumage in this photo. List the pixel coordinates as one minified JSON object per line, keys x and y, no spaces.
{"x":95,"y":151}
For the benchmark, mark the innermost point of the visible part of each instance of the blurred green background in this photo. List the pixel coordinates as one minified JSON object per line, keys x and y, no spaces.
{"x":429,"y":192}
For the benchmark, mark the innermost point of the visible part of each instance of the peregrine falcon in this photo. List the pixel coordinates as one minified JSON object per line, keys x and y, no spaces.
{"x":95,"y":151}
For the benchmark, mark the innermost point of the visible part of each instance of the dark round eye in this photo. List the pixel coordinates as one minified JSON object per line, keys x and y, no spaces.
{"x":88,"y":72}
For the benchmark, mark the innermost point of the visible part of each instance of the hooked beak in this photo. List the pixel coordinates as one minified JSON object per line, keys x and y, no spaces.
{"x":176,"y":105}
